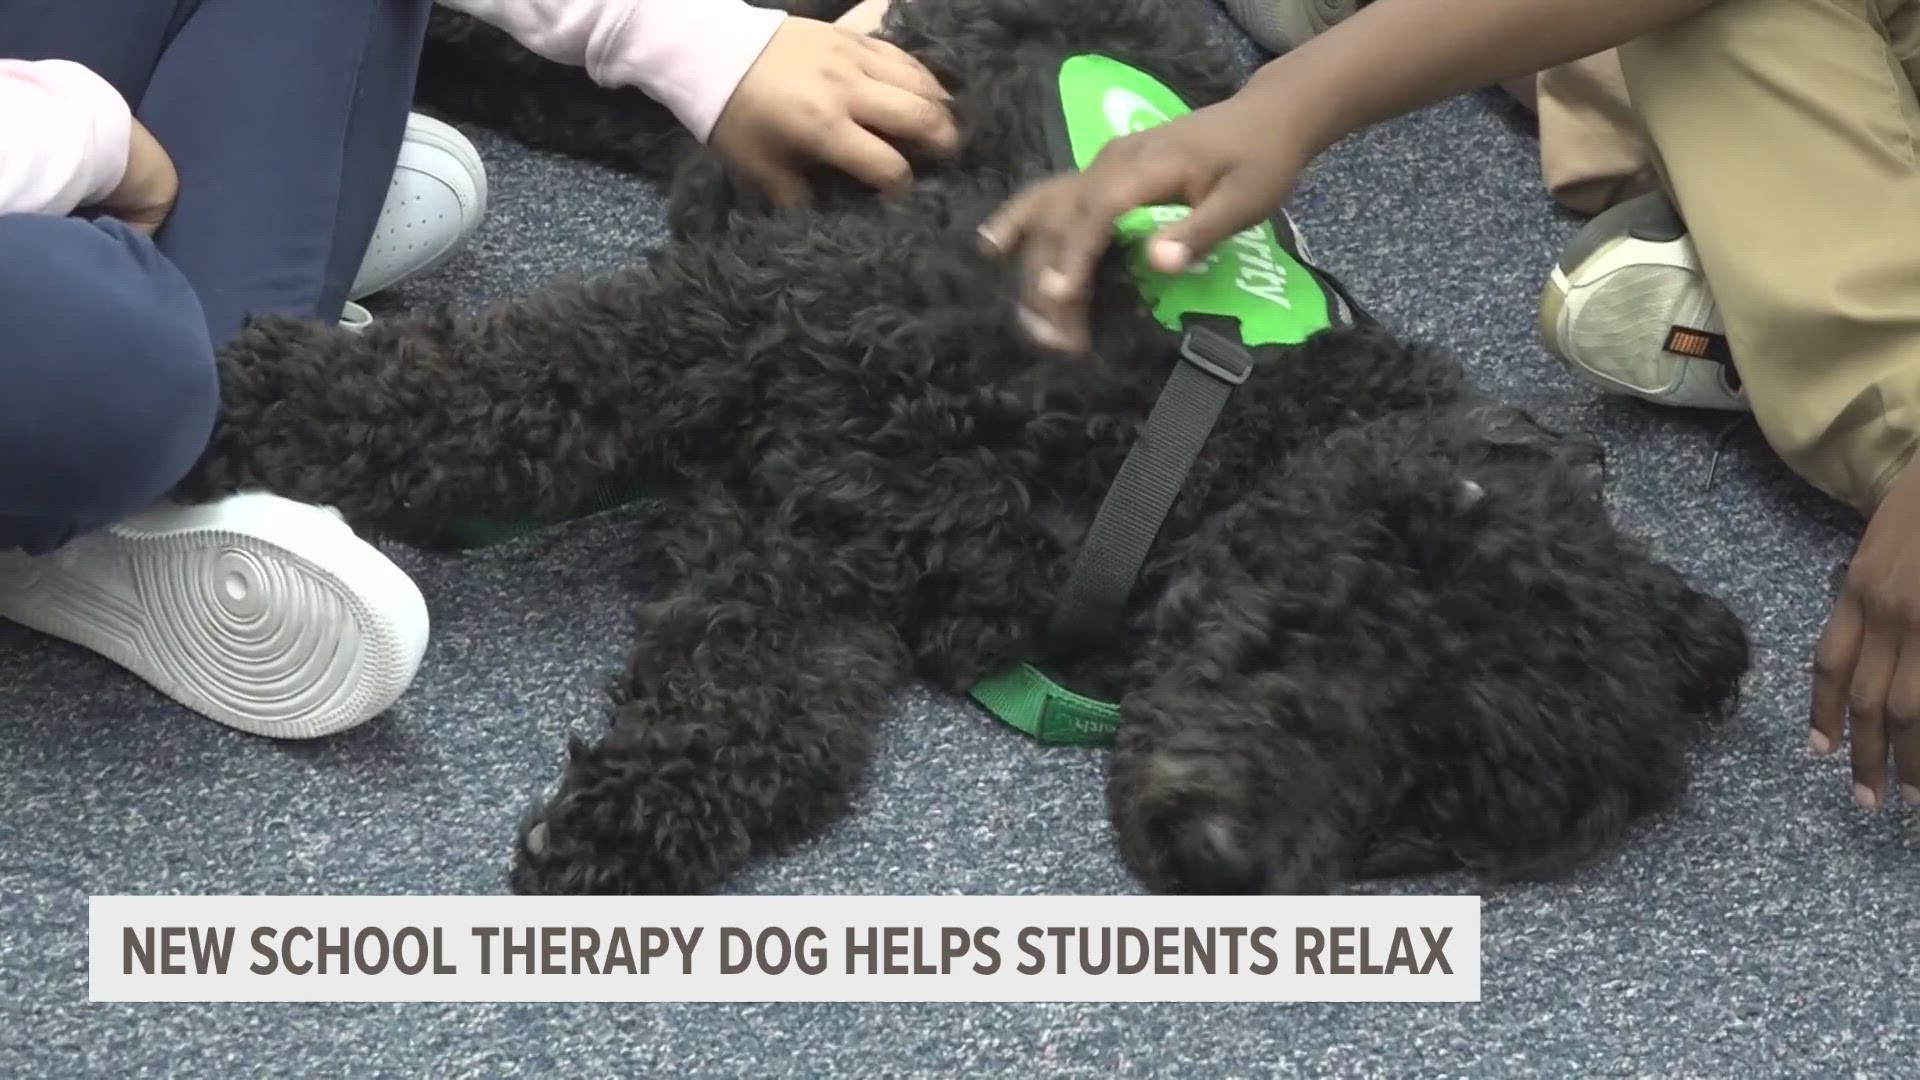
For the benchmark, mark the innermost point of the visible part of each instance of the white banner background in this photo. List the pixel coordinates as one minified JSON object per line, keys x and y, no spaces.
{"x":951,"y":957}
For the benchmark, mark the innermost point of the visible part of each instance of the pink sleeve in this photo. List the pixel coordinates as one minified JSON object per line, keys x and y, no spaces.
{"x":63,"y":137}
{"x":689,"y":55}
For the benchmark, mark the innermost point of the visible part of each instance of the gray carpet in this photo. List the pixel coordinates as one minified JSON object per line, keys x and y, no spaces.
{"x":1767,"y":928}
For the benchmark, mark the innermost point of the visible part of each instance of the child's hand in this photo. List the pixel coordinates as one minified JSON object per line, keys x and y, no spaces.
{"x":1235,"y":163}
{"x":822,"y":94}
{"x":1866,"y":684}
{"x":147,"y":192}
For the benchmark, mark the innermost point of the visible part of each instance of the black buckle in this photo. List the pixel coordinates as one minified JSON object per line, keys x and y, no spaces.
{"x":1216,"y":354}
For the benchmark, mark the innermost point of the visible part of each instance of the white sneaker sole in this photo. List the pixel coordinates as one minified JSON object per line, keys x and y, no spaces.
{"x":265,"y":615}
{"x":410,"y":242}
{"x":1608,"y":318}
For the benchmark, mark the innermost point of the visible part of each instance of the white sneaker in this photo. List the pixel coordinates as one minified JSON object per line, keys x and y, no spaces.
{"x":266,"y":615}
{"x":1628,"y":310}
{"x":434,"y":205}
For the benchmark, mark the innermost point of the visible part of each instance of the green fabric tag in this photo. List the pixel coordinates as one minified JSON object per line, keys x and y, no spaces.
{"x":479,"y":532}
{"x":1026,"y":699}
{"x":1251,"y":278}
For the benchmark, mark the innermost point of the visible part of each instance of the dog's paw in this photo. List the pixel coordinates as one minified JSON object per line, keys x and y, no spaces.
{"x":620,"y":839}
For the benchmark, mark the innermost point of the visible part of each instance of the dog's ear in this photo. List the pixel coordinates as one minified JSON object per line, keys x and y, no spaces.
{"x":1505,"y":425}
{"x":1583,"y":462}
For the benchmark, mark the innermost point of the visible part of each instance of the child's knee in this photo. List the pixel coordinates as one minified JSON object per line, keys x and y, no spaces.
{"x":108,"y":391}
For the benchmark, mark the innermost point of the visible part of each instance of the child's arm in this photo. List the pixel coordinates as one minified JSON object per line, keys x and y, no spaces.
{"x":64,"y":137}
{"x":772,"y":93}
{"x":689,"y":55}
{"x":1395,"y":56}
{"x":1236,"y":163}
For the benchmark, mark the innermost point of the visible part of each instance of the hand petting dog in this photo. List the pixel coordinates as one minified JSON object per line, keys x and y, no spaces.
{"x":824,"y":94}
{"x":1236,"y":162}
{"x":1228,"y":161}
{"x":1866,"y":685}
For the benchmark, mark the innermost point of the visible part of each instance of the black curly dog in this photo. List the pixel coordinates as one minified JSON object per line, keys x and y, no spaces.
{"x":1387,"y":628}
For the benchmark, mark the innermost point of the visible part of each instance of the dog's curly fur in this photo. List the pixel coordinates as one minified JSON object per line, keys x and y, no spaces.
{"x":1388,"y":627}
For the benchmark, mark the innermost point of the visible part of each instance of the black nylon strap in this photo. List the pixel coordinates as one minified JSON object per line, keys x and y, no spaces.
{"x":1214,"y":361}
{"x":1149,"y":483}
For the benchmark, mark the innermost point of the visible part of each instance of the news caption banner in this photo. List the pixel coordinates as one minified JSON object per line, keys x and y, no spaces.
{"x":790,"y":948}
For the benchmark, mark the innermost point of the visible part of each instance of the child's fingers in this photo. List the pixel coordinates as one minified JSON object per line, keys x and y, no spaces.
{"x":888,"y":110}
{"x":889,"y":62}
{"x":1232,"y":204}
{"x":1086,"y":230}
{"x":785,"y":186}
{"x":1056,"y":323}
{"x":1005,"y":230}
{"x":1834,"y":661}
{"x":1867,"y":715}
{"x":1903,"y":718}
{"x":1059,"y":229}
{"x":1022,"y":229}
{"x":866,"y":157}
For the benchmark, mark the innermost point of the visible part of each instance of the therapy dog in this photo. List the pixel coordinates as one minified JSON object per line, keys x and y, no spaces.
{"x":1379,"y":625}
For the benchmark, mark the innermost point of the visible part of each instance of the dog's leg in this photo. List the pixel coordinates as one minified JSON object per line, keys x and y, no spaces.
{"x":546,"y":401}
{"x":744,"y":721}
{"x":527,"y":411}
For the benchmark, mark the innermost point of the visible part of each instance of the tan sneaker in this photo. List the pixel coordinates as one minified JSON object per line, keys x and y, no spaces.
{"x":1279,"y":25}
{"x":1627,"y":309}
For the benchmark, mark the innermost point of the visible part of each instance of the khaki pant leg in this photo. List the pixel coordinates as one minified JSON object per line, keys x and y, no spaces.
{"x":1786,"y":130}
{"x":1592,"y":153}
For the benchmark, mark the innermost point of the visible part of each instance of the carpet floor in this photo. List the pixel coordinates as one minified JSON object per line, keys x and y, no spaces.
{"x":1766,"y":927}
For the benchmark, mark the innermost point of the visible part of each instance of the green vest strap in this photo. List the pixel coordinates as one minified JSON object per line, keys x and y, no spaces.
{"x":1027,"y":699}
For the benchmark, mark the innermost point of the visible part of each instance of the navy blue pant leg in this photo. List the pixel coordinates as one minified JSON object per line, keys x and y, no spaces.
{"x":108,"y":388}
{"x":284,"y":119}
{"x":119,"y":40}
